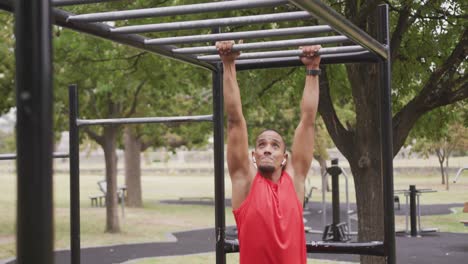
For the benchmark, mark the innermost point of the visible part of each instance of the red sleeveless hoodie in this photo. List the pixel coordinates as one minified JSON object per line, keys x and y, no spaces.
{"x":269,"y":223}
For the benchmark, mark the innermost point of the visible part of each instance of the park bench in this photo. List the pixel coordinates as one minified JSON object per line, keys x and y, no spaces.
{"x":100,"y":199}
{"x":97,"y":200}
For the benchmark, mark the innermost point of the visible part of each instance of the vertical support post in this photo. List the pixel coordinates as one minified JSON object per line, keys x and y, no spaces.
{"x":218,"y":134}
{"x":414,"y":229}
{"x":386,"y":136}
{"x":336,"y":205}
{"x":74,"y":175}
{"x":324,"y":199}
{"x":34,"y":235}
{"x":218,"y":125}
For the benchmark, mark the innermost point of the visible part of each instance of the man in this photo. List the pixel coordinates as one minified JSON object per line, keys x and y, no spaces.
{"x":268,"y":188}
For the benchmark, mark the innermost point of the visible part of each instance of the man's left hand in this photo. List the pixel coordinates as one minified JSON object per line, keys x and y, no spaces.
{"x":309,"y":57}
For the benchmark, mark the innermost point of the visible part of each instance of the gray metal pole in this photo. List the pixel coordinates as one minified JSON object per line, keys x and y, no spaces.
{"x":218,"y":129}
{"x":143,"y":120}
{"x":34,"y":101}
{"x":174,"y":10}
{"x":285,"y":53}
{"x":136,"y":41}
{"x":354,"y":57}
{"x":265,"y":45}
{"x":74,"y":149}
{"x":324,"y":199}
{"x":78,"y":2}
{"x":216,"y":22}
{"x":12,"y":156}
{"x":342,"y":25}
{"x":414,"y":229}
{"x":387,"y":136}
{"x":240,"y":35}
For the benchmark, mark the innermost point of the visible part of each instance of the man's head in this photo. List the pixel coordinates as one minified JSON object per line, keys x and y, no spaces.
{"x":269,"y":154}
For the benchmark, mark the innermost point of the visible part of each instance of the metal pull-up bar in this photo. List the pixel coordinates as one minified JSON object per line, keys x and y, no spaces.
{"x":241,"y":35}
{"x":78,"y":2}
{"x":285,"y":53}
{"x":143,"y":120}
{"x":342,"y":25}
{"x":349,"y":57}
{"x":374,"y":248}
{"x":12,"y":156}
{"x":265,"y":45}
{"x":210,"y":23}
{"x":174,"y":10}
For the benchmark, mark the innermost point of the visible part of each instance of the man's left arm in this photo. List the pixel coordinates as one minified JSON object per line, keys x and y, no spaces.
{"x":303,"y":143}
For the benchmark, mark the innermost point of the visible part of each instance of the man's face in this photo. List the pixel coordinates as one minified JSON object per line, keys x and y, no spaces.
{"x":269,"y":151}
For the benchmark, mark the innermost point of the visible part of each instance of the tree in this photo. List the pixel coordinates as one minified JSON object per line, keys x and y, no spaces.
{"x":424,"y":79}
{"x":448,"y":136}
{"x":137,"y":139}
{"x":114,"y":81}
{"x":7,"y":62}
{"x":101,"y":70}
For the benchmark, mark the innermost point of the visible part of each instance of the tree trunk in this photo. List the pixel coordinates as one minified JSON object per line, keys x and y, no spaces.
{"x":132,"y":168}
{"x":369,"y":205}
{"x":361,"y":147}
{"x":441,"y":157}
{"x":447,"y":186}
{"x":110,"y":155}
{"x":365,"y":155}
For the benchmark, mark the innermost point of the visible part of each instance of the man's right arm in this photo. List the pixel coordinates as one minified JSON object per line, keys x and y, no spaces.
{"x":239,"y":165}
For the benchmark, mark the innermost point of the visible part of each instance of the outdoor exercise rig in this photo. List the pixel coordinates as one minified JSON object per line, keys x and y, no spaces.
{"x":34,"y":98}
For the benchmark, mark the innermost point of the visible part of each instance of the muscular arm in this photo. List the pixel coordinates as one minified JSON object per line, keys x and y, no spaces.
{"x":303,"y":143}
{"x":239,"y":165}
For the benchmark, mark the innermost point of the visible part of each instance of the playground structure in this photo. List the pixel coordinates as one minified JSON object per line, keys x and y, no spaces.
{"x":344,"y":228}
{"x":340,"y":230}
{"x":413,"y":211}
{"x":459,"y":172}
{"x":34,"y":101}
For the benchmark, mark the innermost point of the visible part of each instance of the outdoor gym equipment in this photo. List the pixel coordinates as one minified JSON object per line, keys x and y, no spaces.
{"x":34,"y":100}
{"x":459,"y":173}
{"x":337,"y":231}
{"x":413,"y":211}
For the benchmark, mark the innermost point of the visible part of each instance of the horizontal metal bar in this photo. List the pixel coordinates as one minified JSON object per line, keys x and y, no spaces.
{"x":210,"y":23}
{"x":240,"y":35}
{"x":78,"y":2}
{"x":175,"y":10}
{"x":325,"y":13}
{"x":59,"y":17}
{"x":354,"y":57}
{"x":143,"y":120}
{"x":137,"y":41}
{"x":265,"y":45}
{"x":370,"y":248}
{"x":231,"y":246}
{"x":285,"y":53}
{"x":375,"y":248}
{"x":12,"y":156}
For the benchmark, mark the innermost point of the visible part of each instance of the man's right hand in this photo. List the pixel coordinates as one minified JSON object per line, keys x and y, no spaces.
{"x":225,"y":51}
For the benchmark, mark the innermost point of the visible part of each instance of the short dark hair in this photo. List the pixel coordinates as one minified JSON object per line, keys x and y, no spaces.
{"x":274,"y":130}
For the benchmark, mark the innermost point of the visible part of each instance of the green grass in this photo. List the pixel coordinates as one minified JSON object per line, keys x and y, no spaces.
{"x":155,"y":221}
{"x":445,"y":223}
{"x":210,"y":258}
